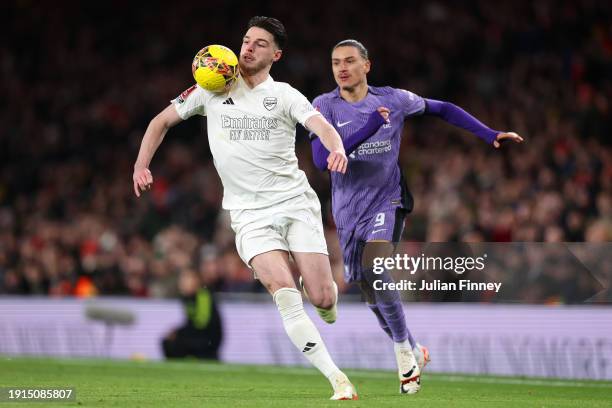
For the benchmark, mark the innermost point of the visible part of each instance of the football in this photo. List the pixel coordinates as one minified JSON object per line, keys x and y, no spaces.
{"x":215,"y":68}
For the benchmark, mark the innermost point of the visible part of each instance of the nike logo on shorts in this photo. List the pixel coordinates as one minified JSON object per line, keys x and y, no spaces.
{"x":343,"y":123}
{"x":378,"y":230}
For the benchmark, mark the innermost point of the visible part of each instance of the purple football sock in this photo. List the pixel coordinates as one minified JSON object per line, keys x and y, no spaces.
{"x":389,"y":309}
{"x":381,"y":320}
{"x":393,"y":313}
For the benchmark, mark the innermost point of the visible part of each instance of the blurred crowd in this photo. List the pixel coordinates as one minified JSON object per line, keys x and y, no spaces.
{"x":81,"y":82}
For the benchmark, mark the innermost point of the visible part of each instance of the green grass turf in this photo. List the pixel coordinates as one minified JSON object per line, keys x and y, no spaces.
{"x":105,"y":383}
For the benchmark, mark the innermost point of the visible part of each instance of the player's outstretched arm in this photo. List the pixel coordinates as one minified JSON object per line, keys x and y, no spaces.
{"x":336,"y":160}
{"x":454,"y":115}
{"x":153,"y":137}
{"x":375,"y":121}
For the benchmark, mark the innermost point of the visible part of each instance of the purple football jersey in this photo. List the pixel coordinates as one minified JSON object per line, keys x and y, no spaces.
{"x":373,"y":180}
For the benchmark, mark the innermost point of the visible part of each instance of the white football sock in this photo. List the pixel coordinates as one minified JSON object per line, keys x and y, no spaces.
{"x":402,"y":345}
{"x":302,"y":331}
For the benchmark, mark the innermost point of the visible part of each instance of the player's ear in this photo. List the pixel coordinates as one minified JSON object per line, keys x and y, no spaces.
{"x":277,"y":55}
{"x":367,"y":66}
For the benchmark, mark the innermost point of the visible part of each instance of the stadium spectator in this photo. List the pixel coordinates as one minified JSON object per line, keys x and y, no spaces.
{"x":201,"y":335}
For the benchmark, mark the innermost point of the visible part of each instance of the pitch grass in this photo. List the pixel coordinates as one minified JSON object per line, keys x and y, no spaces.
{"x":105,"y":383}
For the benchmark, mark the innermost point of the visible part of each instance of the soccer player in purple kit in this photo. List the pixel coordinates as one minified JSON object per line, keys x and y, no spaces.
{"x":370,"y":201}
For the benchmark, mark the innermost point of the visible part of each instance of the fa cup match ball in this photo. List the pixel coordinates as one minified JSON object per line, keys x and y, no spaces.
{"x":215,"y":67}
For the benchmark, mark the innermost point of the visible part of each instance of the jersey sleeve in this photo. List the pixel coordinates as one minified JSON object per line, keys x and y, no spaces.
{"x":298,"y":107}
{"x":191,"y":102}
{"x":410,"y":103}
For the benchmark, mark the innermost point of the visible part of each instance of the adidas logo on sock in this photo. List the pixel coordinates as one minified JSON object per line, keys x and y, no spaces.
{"x":229,"y":101}
{"x":309,"y":347}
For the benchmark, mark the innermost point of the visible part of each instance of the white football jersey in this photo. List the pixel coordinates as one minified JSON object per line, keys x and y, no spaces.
{"x":251,"y":133}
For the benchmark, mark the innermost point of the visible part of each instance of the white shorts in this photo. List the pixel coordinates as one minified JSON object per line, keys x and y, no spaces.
{"x":293,"y":225}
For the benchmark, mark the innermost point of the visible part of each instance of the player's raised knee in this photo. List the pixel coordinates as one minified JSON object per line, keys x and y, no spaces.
{"x":326,"y":302}
{"x":325,"y":298}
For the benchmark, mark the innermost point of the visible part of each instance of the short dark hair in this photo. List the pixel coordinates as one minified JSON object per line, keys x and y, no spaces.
{"x":273,"y":26}
{"x":353,"y":43}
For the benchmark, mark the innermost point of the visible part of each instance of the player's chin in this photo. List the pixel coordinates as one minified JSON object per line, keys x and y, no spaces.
{"x":251,"y":67}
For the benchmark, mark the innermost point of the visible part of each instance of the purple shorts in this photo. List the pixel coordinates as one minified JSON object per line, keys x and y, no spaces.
{"x":386,"y":225}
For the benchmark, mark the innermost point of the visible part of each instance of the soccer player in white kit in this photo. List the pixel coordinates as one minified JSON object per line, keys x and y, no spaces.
{"x":273,"y":209}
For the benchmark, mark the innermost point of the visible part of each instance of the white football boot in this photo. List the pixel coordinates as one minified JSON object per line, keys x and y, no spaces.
{"x":328,"y":315}
{"x":343,"y":389}
{"x":408,"y":371}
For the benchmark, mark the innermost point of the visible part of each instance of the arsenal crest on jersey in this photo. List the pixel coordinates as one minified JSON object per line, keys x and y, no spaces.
{"x":270,"y":102}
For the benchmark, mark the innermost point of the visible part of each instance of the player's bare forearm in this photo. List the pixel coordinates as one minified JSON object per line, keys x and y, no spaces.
{"x":326,"y":133}
{"x":157,"y":129}
{"x":336,"y":160}
{"x":352,"y":141}
{"x":150,"y":142}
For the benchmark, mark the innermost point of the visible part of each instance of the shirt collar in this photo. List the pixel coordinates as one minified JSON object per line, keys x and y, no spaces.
{"x":264,"y":85}
{"x":267,"y":83}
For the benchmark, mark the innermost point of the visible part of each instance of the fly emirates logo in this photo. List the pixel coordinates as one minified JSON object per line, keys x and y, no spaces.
{"x":247,"y":127}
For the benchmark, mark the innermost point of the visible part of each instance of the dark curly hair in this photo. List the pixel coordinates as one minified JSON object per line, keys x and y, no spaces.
{"x":273,"y":26}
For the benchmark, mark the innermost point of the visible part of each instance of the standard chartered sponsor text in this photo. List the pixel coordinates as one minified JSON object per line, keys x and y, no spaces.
{"x":377,"y":147}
